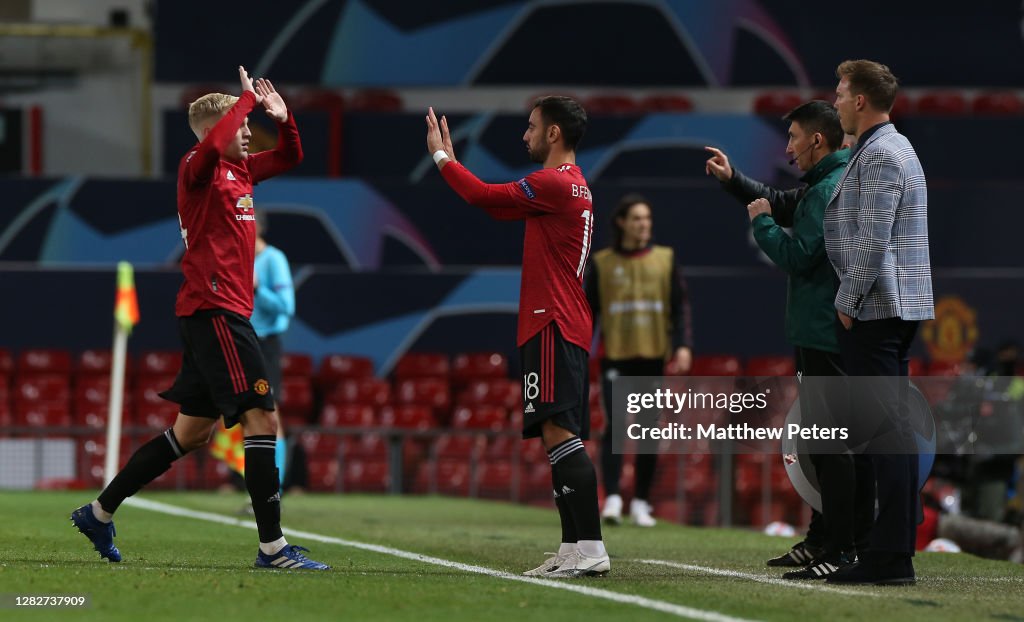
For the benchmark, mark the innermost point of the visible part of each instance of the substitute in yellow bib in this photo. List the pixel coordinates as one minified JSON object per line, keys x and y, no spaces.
{"x":638,"y":299}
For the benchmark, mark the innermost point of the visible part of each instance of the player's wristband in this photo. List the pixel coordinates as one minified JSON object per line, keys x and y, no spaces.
{"x":439,"y":155}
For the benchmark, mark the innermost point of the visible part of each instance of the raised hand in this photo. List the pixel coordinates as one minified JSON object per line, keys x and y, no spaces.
{"x":434,"y":140}
{"x":718,"y":164}
{"x":243,"y":77}
{"x":446,"y":139}
{"x":758,"y":207}
{"x":272,"y":100}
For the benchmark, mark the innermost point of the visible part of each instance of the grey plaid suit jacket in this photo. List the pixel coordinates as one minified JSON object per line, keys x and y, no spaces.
{"x":876,"y":232}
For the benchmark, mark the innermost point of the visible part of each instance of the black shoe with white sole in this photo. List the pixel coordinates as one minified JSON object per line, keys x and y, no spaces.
{"x":800,"y":555}
{"x":819,"y":569}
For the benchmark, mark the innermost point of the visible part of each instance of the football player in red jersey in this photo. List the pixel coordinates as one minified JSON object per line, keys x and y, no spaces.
{"x":222,"y":372}
{"x":555,"y":324}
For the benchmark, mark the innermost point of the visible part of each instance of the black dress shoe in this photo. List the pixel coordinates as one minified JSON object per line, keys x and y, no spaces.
{"x":877,"y":570}
{"x":800,"y":555}
{"x":820,"y":569}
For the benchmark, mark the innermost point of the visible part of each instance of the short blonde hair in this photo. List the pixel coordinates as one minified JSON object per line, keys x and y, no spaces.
{"x":872,"y":80}
{"x":209,"y":105}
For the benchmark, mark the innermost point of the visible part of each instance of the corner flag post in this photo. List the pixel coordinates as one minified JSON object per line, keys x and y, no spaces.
{"x":126,"y":315}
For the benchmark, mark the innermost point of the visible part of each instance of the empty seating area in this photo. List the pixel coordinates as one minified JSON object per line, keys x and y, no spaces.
{"x":436,"y":424}
{"x":948,"y":103}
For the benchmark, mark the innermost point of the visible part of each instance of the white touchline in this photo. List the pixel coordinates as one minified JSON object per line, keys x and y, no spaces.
{"x":721,"y":572}
{"x":628,"y":599}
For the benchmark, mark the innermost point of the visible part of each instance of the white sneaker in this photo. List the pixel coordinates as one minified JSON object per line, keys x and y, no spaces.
{"x":578,"y":565}
{"x":612,"y":513}
{"x":640,"y":513}
{"x":551,"y":563}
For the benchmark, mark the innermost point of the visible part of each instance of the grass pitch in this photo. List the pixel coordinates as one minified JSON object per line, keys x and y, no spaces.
{"x":187,"y":568}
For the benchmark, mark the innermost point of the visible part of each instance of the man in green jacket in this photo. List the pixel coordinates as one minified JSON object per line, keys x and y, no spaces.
{"x":815,"y":140}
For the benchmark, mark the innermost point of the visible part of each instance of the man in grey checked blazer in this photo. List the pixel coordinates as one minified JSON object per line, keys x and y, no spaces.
{"x":876,"y":237}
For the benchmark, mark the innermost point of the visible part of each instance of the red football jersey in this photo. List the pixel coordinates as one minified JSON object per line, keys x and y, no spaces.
{"x":217,"y":213}
{"x":557,"y":206}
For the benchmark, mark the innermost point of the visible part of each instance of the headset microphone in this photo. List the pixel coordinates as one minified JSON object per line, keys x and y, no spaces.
{"x":799,"y":155}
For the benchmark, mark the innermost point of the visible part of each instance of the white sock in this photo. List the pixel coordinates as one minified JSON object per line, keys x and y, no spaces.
{"x":272,"y":548}
{"x":101,"y":515}
{"x":592,"y":548}
{"x":566,"y":547}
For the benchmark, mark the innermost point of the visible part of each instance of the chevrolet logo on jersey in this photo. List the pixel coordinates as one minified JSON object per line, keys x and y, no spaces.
{"x":245,"y":202}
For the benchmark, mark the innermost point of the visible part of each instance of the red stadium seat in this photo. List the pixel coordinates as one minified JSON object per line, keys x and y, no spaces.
{"x":5,"y":404}
{"x":432,"y":392}
{"x":666,"y":103}
{"x":148,"y":389}
{"x":536,"y":482}
{"x":156,"y":416}
{"x":6,"y":362}
{"x":451,"y":478}
{"x":318,"y":445}
{"x":296,"y":400}
{"x":473,"y":366}
{"x":92,"y":400}
{"x":942,"y":103}
{"x":771,"y":366}
{"x":504,"y":447}
{"x":611,"y":104}
{"x":213,"y":473}
{"x":151,"y":410}
{"x":776,"y":104}
{"x":716,"y":365}
{"x":94,"y":362}
{"x":347,"y":416}
{"x":494,"y":480}
{"x":366,"y":475}
{"x":159,"y":363}
{"x":459,"y":447}
{"x":361,"y":391}
{"x":337,"y":367}
{"x":92,"y":455}
{"x":997,"y":104}
{"x":96,"y":415}
{"x":181,"y":476}
{"x":41,"y":414}
{"x":902,"y":106}
{"x":94,"y":390}
{"x":297,"y":365}
{"x":42,"y":387}
{"x":376,"y":100}
{"x":916,"y":366}
{"x":366,"y":446}
{"x":323,"y":474}
{"x":407,"y":416}
{"x":422,"y":365}
{"x":480,"y":418}
{"x":42,"y":360}
{"x":498,"y":392}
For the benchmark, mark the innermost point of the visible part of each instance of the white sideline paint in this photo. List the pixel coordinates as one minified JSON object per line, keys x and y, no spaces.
{"x":628,"y":599}
{"x":735,"y":574}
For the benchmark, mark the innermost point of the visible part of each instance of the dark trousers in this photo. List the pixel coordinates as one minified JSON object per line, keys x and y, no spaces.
{"x":611,"y":463}
{"x":879,"y":348}
{"x":839,"y":527}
